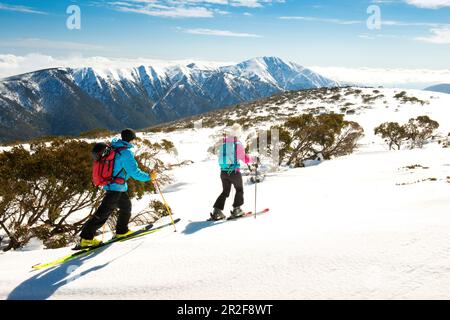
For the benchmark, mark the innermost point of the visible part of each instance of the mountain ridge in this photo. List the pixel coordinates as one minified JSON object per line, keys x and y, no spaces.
{"x":68,"y":101}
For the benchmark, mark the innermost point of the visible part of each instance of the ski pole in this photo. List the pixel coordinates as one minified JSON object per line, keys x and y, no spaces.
{"x":155,"y":183}
{"x":256,"y":185}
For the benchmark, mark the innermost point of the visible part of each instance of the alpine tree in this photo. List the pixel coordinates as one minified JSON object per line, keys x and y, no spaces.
{"x":393,"y":134}
{"x":419,"y":130}
{"x":328,"y":134}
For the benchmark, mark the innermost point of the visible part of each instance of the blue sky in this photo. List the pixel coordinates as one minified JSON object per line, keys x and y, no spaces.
{"x":414,"y":33}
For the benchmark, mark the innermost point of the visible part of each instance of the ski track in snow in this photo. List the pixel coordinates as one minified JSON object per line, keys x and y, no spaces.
{"x":345,"y":229}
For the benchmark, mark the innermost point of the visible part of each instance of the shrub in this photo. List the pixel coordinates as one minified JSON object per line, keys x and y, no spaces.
{"x":393,"y":134}
{"x":44,"y":187}
{"x":96,"y":133}
{"x":404,"y":98}
{"x":307,"y":135}
{"x":419,"y":130}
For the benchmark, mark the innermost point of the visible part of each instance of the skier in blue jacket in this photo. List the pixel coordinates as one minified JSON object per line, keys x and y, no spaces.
{"x":125,"y":166}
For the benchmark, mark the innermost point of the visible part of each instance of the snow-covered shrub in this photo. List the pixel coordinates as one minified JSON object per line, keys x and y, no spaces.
{"x":158,"y":209}
{"x":44,"y":186}
{"x":402,"y":96}
{"x":147,"y":154}
{"x":417,"y":132}
{"x":446,"y":143}
{"x":393,"y":134}
{"x":306,"y":136}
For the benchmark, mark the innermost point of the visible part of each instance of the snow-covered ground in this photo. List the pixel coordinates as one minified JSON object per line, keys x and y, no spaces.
{"x":362,"y":226}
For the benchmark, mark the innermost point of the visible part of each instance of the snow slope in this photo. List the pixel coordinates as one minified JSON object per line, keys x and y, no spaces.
{"x":362,"y":226}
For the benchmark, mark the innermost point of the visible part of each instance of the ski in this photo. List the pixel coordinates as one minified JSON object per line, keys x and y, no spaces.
{"x":138,"y":233}
{"x":246,"y":215}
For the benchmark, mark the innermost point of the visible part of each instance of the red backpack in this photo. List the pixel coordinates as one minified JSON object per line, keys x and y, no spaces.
{"x":102,"y":171}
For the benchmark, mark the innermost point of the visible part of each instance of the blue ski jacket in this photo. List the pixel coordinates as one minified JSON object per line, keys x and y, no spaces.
{"x":125,"y":166}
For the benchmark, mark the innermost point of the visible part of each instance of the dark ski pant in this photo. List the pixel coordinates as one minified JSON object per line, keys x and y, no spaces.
{"x":111,"y":201}
{"x":230,"y":179}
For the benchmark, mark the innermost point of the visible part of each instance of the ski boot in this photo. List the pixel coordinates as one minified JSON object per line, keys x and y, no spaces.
{"x":85,"y":243}
{"x":122,"y":235}
{"x":217,"y":215}
{"x":237,"y":213}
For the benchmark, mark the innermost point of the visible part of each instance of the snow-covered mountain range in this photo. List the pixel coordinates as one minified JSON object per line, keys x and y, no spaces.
{"x":69,"y":101}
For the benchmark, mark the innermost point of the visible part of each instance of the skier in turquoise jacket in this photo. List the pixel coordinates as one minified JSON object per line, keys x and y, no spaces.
{"x":231,"y":153}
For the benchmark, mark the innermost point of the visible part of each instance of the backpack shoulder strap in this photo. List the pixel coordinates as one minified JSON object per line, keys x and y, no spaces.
{"x":118,"y":150}
{"x":235,"y":153}
{"x":224,"y":147}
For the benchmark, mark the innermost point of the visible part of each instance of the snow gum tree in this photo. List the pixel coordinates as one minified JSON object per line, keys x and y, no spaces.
{"x":393,"y":134}
{"x":417,"y":131}
{"x":305,"y":136}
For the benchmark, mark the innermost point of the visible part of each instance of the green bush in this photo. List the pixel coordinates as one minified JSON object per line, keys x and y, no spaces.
{"x":96,"y":133}
{"x":306,"y":136}
{"x":393,"y":134}
{"x":417,"y":131}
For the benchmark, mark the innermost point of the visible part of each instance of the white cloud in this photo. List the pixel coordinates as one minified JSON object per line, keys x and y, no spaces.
{"x":22,"y":9}
{"x":316,"y":19}
{"x":246,"y":3}
{"x":413,"y":24}
{"x":185,"y":8}
{"x":383,"y":1}
{"x":169,"y":12}
{"x":12,"y":64}
{"x":439,"y":36}
{"x":380,"y":36}
{"x":388,"y":23}
{"x":36,"y":43}
{"x":429,"y":4}
{"x":419,"y":78}
{"x":219,"y":33}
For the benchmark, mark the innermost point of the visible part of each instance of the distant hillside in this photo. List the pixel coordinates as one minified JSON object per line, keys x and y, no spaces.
{"x":444,"y":88}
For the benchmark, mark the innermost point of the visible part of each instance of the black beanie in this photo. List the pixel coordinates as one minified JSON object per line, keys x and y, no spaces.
{"x":128,"y":135}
